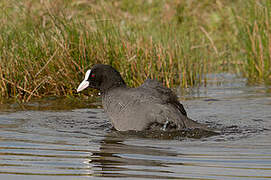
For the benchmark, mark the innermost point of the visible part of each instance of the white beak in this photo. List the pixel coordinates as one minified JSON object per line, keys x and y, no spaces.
{"x":84,"y":84}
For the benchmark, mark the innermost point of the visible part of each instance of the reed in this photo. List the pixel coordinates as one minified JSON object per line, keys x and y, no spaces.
{"x":46,"y":46}
{"x":254,"y":34}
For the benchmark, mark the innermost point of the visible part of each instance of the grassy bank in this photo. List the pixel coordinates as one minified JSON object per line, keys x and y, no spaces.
{"x":253,"y":23}
{"x":46,"y":46}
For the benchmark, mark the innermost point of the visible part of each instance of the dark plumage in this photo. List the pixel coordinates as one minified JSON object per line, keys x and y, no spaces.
{"x":150,"y":106}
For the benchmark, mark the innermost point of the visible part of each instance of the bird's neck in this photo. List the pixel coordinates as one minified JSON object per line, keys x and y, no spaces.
{"x":108,"y":86}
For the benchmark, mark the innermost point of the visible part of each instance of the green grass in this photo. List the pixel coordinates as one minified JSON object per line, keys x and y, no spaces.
{"x":46,"y":46}
{"x":254,"y":35}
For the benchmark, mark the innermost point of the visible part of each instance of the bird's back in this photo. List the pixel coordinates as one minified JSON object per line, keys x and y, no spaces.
{"x":148,"y":106}
{"x":160,"y":92}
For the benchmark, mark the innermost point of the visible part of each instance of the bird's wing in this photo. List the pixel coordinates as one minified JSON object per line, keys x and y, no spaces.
{"x":166,"y":95}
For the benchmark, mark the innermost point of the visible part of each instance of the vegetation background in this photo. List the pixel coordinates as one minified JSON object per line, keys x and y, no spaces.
{"x":46,"y":46}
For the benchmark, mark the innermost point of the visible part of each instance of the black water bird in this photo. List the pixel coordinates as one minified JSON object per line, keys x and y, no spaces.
{"x":150,"y":106}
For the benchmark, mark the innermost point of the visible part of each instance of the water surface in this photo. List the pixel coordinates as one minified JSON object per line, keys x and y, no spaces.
{"x":46,"y":140}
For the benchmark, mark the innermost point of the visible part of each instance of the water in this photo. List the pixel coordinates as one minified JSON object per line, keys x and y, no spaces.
{"x":46,"y":140}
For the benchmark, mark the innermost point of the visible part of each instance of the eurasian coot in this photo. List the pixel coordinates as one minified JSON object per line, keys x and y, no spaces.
{"x":150,"y":106}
